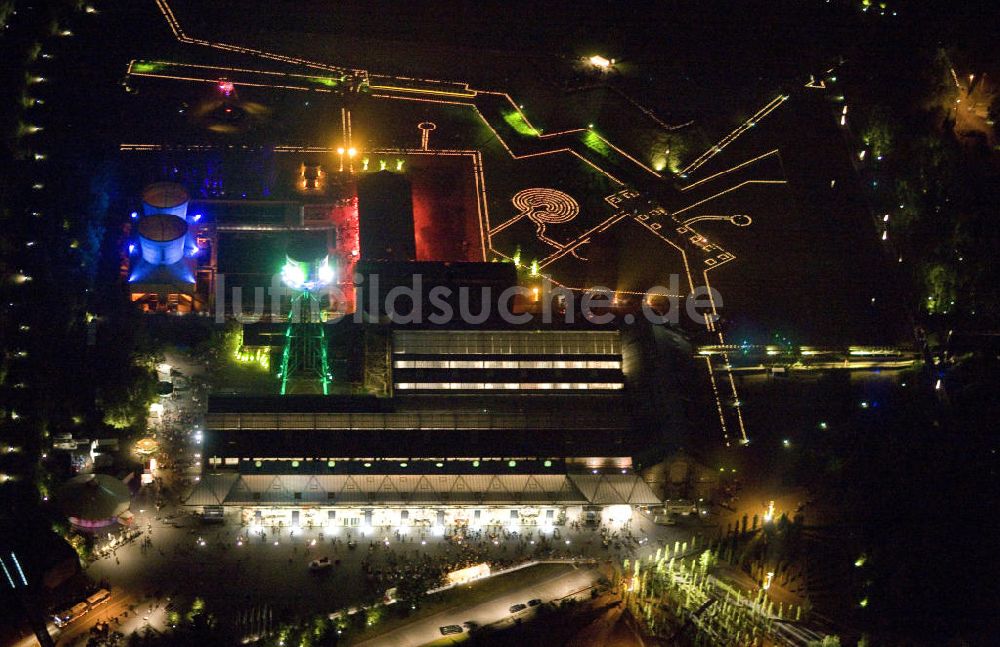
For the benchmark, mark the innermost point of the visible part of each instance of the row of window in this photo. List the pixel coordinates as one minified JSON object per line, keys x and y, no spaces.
{"x":507,"y":364}
{"x":510,"y":386}
{"x":465,"y":342}
{"x":579,"y":418}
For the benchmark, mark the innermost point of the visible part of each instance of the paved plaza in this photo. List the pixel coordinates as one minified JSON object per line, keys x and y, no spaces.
{"x":234,"y":570}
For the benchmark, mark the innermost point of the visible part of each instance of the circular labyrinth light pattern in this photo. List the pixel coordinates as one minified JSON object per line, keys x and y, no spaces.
{"x":545,"y":206}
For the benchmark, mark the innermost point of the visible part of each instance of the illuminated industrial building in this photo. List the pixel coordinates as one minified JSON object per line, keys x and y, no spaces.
{"x":471,"y":426}
{"x":166,"y":259}
{"x":373,"y":422}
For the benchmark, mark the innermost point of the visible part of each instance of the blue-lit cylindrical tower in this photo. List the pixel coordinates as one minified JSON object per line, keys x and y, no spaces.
{"x":165,"y":197}
{"x":162,"y":237}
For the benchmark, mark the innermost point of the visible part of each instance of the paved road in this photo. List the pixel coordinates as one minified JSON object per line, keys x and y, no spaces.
{"x":423,"y":631}
{"x":117,"y":605}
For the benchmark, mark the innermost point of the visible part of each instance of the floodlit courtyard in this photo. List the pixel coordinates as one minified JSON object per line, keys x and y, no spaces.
{"x":271,"y":564}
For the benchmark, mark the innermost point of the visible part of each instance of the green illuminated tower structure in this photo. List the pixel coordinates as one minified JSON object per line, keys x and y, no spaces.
{"x":305,"y":367}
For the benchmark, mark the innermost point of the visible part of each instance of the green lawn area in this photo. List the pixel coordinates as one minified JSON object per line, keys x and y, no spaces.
{"x":463,"y":596}
{"x":233,"y":376}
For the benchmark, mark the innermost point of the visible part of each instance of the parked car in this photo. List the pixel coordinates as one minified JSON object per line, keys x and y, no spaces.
{"x":320,"y":564}
{"x":534,"y":602}
{"x":518,"y":607}
{"x":449,"y":630}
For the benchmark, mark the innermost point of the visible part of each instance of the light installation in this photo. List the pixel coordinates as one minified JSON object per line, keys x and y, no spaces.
{"x":542,"y":206}
{"x":450,"y":91}
{"x":305,"y":365}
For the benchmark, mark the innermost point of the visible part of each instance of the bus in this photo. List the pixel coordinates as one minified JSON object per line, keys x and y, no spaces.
{"x":94,"y":600}
{"x":98,"y":597}
{"x":63,"y":618}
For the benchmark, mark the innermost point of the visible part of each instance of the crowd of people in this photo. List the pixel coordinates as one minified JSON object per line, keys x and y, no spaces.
{"x":390,"y":563}
{"x":118,"y":539}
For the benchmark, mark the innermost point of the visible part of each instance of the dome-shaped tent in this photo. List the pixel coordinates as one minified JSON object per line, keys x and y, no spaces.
{"x":93,"y":500}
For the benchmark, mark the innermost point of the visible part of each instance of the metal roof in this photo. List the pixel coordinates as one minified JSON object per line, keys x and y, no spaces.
{"x":531,"y":442}
{"x":422,"y":489}
{"x":162,"y":227}
{"x":164,"y":195}
{"x":611,"y":489}
{"x":212,"y":489}
{"x":94,"y":497}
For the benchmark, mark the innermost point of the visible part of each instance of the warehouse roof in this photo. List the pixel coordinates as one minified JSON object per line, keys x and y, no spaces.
{"x":421,"y":489}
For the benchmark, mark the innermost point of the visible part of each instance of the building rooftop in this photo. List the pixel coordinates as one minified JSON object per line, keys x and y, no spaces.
{"x":422,"y":489}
